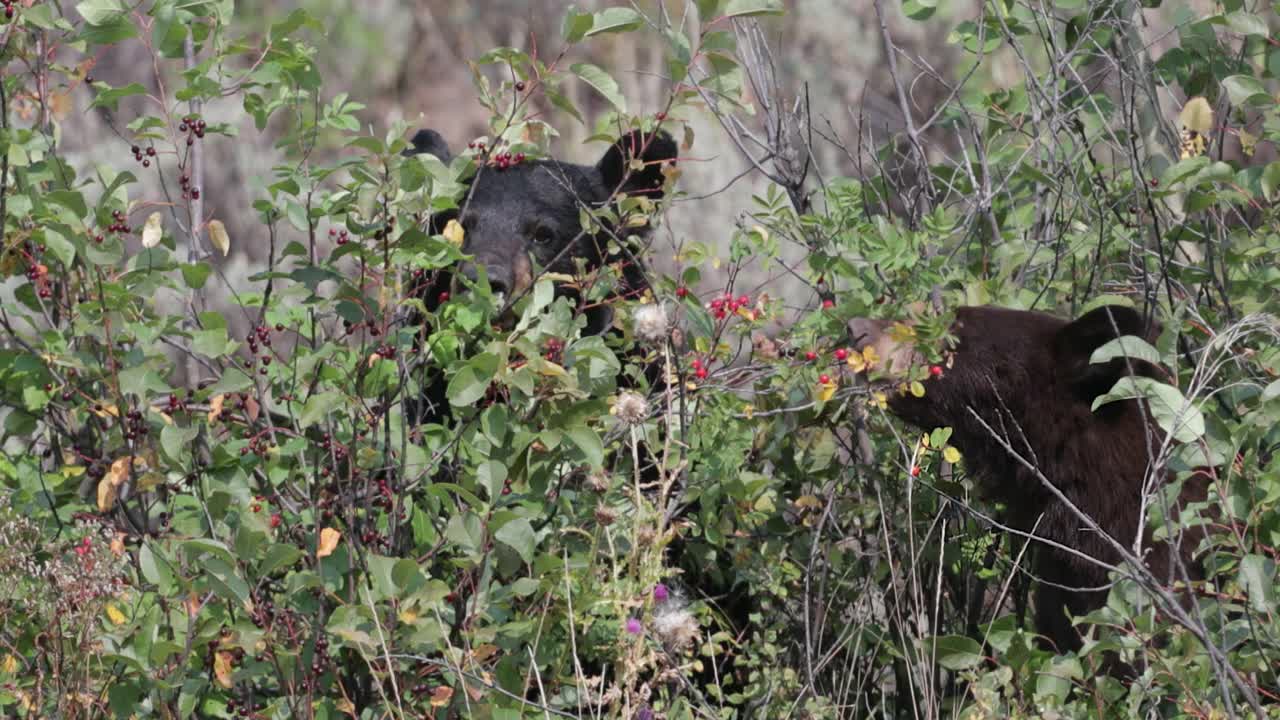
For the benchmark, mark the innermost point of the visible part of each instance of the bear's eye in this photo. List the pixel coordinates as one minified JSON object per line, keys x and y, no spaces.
{"x":543,"y":235}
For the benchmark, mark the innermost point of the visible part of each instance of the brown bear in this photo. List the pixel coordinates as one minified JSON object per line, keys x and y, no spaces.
{"x":1028,"y":377}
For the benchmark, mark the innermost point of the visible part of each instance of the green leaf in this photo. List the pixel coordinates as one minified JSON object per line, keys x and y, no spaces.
{"x":317,"y":407}
{"x":919,"y":9}
{"x":100,"y":12}
{"x":1055,"y":680}
{"x":111,"y":97}
{"x":752,"y":8}
{"x":471,"y":382}
{"x":588,"y":441}
{"x":957,"y":652}
{"x":1271,"y":180}
{"x":602,"y":82}
{"x":213,"y":343}
{"x":175,"y":441}
{"x":1246,"y":23}
{"x":576,"y":25}
{"x":1130,"y":346}
{"x":155,"y":571}
{"x":1170,"y":409}
{"x":279,"y":555}
{"x":1244,"y":90}
{"x":1258,"y":578}
{"x":518,"y":535}
{"x":614,"y":20}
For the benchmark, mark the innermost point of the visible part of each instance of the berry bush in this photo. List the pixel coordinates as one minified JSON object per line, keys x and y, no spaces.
{"x":393,"y":499}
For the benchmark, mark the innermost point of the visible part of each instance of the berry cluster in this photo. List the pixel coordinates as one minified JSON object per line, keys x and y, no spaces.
{"x":339,"y":237}
{"x":139,"y":153}
{"x":505,"y":160}
{"x":37,"y":272}
{"x":259,"y":335}
{"x":135,"y":426}
{"x":8,"y":9}
{"x":721,"y":307}
{"x":192,"y":127}
{"x":119,"y":226}
{"x":699,"y":370}
{"x":553,"y":350}
{"x":176,"y":403}
{"x":188,"y":192}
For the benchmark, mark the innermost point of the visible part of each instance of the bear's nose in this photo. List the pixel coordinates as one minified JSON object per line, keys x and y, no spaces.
{"x":499,"y":275}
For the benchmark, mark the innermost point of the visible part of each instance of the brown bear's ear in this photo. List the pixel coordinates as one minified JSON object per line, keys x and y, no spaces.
{"x":1074,"y":344}
{"x":429,"y":142}
{"x":651,"y":149}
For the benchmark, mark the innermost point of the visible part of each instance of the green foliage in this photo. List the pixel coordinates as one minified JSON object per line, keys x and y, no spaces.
{"x":195,"y":523}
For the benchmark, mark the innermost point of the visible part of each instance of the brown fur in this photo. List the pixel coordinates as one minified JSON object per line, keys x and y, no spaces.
{"x":1028,"y":376}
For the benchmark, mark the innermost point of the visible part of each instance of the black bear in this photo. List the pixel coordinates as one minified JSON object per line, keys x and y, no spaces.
{"x":1028,"y":376}
{"x":520,"y":217}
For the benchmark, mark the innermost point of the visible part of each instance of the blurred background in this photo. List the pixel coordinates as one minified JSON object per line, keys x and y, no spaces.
{"x":411,"y":61}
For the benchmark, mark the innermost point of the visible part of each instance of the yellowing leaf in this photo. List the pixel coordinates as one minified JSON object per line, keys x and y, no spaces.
{"x":222,"y":668}
{"x":408,"y":616}
{"x":879,"y":400}
{"x":749,"y":410}
{"x":328,"y":542}
{"x":454,"y":233}
{"x":826,"y":391}
{"x":117,"y":545}
{"x":105,"y":410}
{"x":1196,"y":116}
{"x":870,"y":356}
{"x":1248,"y":142}
{"x":163,"y":415}
{"x":152,"y":230}
{"x":215,"y":407}
{"x":218,"y":237}
{"x":193,"y":605}
{"x":114,"y":615}
{"x":441,"y":696}
{"x":550,"y":369}
{"x":9,"y":665}
{"x":924,"y":440}
{"x":902,"y":333}
{"x":917,"y":388}
{"x":951,"y":455}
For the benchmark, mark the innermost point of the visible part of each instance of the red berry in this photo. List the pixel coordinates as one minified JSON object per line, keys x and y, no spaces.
{"x":444,"y":297}
{"x":697,"y":364}
{"x":1155,"y":182}
{"x":810,"y":355}
{"x":135,"y":149}
{"x":827,"y":304}
{"x":935,"y":370}
{"x":743,"y":301}
{"x":151,"y":151}
{"x":915,"y":471}
{"x":701,"y":373}
{"x":660,"y":116}
{"x":682,"y":292}
{"x":195,"y":193}
{"x":519,"y":86}
{"x":824,"y":379}
{"x":279,"y":327}
{"x":275,"y":520}
{"x":841,"y":354}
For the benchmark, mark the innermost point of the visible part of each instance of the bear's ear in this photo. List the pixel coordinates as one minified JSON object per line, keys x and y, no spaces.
{"x":651,"y":149}
{"x":1074,"y":344}
{"x":429,"y":142}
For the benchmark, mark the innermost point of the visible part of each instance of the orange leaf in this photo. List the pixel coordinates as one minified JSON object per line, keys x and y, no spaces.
{"x":222,"y":668}
{"x":441,"y":696}
{"x":328,"y":542}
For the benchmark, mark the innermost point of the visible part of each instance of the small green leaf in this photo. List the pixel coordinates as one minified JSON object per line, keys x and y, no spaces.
{"x":576,"y":25}
{"x":1170,"y":409}
{"x":1244,"y":89}
{"x":614,"y":20}
{"x":1258,"y":578}
{"x":752,"y":8}
{"x":1246,"y":23}
{"x":518,"y":535}
{"x":318,"y":406}
{"x":588,"y":441}
{"x":602,"y":82}
{"x":1130,"y":346}
{"x":957,"y":652}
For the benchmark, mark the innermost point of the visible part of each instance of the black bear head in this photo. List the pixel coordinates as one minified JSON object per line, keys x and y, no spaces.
{"x":526,"y":217}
